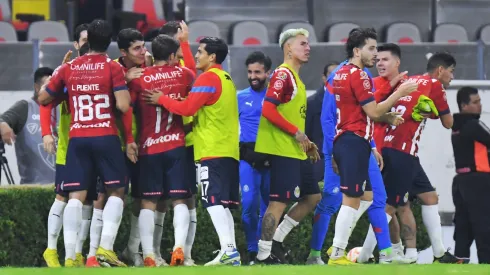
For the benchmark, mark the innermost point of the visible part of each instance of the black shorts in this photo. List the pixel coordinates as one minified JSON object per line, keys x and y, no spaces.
{"x":219,"y":182}
{"x":351,"y":153}
{"x":291,"y":179}
{"x":164,"y":175}
{"x":58,"y":180}
{"x":403,"y":176}
{"x":133,"y":172}
{"x":191,"y":169}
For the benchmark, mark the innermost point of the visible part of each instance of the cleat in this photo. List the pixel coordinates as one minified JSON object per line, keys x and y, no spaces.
{"x":108,"y":258}
{"x":226,"y":258}
{"x":150,"y":261}
{"x":449,"y":258}
{"x":340,"y":261}
{"x":271,"y":260}
{"x":160,"y":261}
{"x":51,"y":258}
{"x":281,"y":252}
{"x":92,"y":262}
{"x":177,"y":257}
{"x":189,"y":262}
{"x":251,"y":257}
{"x":79,"y":260}
{"x":133,"y":258}
{"x":70,"y":263}
{"x":314,"y":260}
{"x":329,"y":251}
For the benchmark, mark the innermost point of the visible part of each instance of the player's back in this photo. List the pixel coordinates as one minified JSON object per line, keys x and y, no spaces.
{"x":160,"y":130}
{"x":90,"y":87}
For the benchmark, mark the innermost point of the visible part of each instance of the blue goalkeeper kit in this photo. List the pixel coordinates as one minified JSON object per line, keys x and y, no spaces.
{"x":332,"y":197}
{"x":254,"y":171}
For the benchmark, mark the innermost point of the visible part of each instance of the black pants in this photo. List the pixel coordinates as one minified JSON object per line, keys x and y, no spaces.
{"x":471,"y":195}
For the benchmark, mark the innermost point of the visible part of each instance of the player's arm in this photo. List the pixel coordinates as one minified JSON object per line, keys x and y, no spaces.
{"x":189,"y":61}
{"x":329,"y":121}
{"x":13,"y":121}
{"x":309,"y":126}
{"x":54,"y":87}
{"x":438,"y":96}
{"x":45,"y":115}
{"x":119,"y":87}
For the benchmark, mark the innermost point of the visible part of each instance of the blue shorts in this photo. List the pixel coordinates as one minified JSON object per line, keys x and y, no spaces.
{"x":88,"y":157}
{"x":164,"y":175}
{"x":219,"y":182}
{"x":403,"y":176}
{"x":352,"y":154}
{"x":191,"y":169}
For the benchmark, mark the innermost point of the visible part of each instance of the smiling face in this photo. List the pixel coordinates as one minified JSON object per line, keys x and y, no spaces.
{"x":203,"y":59}
{"x":136,"y":52}
{"x":257,"y":76}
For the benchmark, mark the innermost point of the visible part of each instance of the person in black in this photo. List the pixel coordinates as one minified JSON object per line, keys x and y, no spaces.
{"x":471,"y":185}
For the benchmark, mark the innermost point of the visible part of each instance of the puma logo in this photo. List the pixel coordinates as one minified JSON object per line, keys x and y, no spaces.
{"x":277,"y":94}
{"x":249,"y":103}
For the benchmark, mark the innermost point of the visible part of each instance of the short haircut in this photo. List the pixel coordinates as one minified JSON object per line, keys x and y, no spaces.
{"x":261,"y":58}
{"x":357,"y":39}
{"x":290,"y":33}
{"x":128,"y":36}
{"x":99,"y":35}
{"x":170,"y":28}
{"x":84,"y":49}
{"x":438,"y":59}
{"x":217,"y":46}
{"x":163,"y":46}
{"x":394,"y":49}
{"x":464,"y":95}
{"x":42,"y":72}
{"x":325,"y":69}
{"x":78,"y":30}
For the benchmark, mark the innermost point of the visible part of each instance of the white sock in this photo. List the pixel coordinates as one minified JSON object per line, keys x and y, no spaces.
{"x":284,"y":228}
{"x":432,"y":222}
{"x":220,"y":222}
{"x":343,"y":227}
{"x":158,"y":233}
{"x":134,"y":236}
{"x":231,"y":225}
{"x":363,"y":206}
{"x":397,"y":247}
{"x":111,"y":217}
{"x":265,"y":248}
{"x":84,"y":228}
{"x":191,"y":233}
{"x":72,"y":219}
{"x":369,"y":244}
{"x":181,"y":225}
{"x":411,"y":253}
{"x":55,"y":222}
{"x":146,"y":224}
{"x":95,"y":231}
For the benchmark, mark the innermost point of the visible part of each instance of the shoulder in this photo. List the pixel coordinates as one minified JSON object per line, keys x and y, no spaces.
{"x":209,"y":77}
{"x":243,"y":93}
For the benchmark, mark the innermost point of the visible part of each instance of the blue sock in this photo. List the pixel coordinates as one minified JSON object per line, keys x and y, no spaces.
{"x":377,"y":218}
{"x":320,"y":229}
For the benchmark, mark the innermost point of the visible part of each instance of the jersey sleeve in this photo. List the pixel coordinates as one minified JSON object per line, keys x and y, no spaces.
{"x":280,"y":88}
{"x":135,"y":89}
{"x":188,"y":57}
{"x":361,"y":85}
{"x":328,"y":119}
{"x":438,"y":96}
{"x":117,"y":77}
{"x":56,"y":84}
{"x":45,"y":112}
{"x":190,"y":76}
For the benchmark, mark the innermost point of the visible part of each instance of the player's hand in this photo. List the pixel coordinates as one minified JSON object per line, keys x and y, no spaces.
{"x":183,"y":32}
{"x":426,"y":115}
{"x":48,"y":142}
{"x":8,"y":136}
{"x":152,"y":96}
{"x":132,"y":152}
{"x":406,"y":88}
{"x":67,"y":57}
{"x":335,"y":167}
{"x":313,"y":153}
{"x":148,"y":59}
{"x":303,"y":140}
{"x":394,"y":118}
{"x":133,"y":73}
{"x":397,"y":79}
{"x":379,"y":158}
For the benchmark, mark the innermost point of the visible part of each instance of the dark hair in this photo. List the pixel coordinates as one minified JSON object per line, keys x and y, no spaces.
{"x":78,"y":30}
{"x":464,"y":94}
{"x":128,"y":36}
{"x":357,"y":39}
{"x":99,"y":35}
{"x":170,"y":28}
{"x":438,"y":59}
{"x":394,"y":49}
{"x":163,"y":46}
{"x":85,"y":48}
{"x":217,"y":46}
{"x":261,"y":58}
{"x":325,"y":69}
{"x":42,"y":72}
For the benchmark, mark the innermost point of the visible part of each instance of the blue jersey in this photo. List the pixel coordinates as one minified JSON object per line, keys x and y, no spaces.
{"x":249,"y":112}
{"x":329,"y":113}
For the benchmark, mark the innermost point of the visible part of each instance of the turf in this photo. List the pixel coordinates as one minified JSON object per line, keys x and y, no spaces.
{"x":264,"y":270}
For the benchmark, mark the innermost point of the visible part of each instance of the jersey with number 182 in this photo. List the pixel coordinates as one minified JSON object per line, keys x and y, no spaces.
{"x":160,"y":130}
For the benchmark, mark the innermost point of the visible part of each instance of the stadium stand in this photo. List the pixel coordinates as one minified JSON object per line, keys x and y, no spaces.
{"x":7,"y":33}
{"x":250,"y":33}
{"x":199,"y":29}
{"x":403,"y":33}
{"x":153,"y":9}
{"x":340,"y":31}
{"x":485,"y":34}
{"x":450,"y":33}
{"x":48,"y":31}
{"x":305,"y":25}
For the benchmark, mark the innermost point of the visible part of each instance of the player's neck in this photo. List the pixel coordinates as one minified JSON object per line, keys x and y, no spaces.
{"x":95,"y":53}
{"x":128,"y":63}
{"x":357,"y":62}
{"x":392,"y":75}
{"x":209,"y":66}
{"x":293,"y":63}
{"x":160,"y":63}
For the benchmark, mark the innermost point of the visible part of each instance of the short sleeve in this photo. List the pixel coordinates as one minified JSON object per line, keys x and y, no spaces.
{"x":117,"y":76}
{"x":362,"y":85}
{"x":56,"y":84}
{"x":438,"y":96}
{"x":280,"y":87}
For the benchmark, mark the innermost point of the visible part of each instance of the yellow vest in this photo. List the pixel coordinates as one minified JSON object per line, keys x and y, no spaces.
{"x":63,"y":133}
{"x":216,"y":126}
{"x":274,"y":141}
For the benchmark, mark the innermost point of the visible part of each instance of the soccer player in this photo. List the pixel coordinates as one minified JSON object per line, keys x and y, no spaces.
{"x":213,"y":103}
{"x":281,"y":135}
{"x":254,"y":167}
{"x":404,"y":176}
{"x":356,"y":109}
{"x":94,"y":85}
{"x":162,"y":147}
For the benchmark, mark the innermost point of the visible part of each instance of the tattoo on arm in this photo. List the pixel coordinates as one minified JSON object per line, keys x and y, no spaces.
{"x":407,"y":232}
{"x":268,"y":227}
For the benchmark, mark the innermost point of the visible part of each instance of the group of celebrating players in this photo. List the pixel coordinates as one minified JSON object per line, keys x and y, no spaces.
{"x":178,"y":130}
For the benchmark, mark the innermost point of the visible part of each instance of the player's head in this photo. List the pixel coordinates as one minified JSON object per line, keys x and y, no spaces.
{"x":80,"y":36}
{"x":171,"y":28}
{"x":132,"y":45}
{"x":212,"y":50}
{"x":40,"y":76}
{"x":328,"y":69}
{"x":99,"y":35}
{"x":388,"y":60}
{"x":441,"y":67}
{"x":361,"y":45}
{"x":258,"y":69}
{"x":469,"y":100}
{"x":165,"y":48}
{"x":295,"y":44}
{"x":84,"y":49}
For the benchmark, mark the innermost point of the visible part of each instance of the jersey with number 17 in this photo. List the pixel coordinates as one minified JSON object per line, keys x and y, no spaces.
{"x":160,"y":130}
{"x":91,"y":81}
